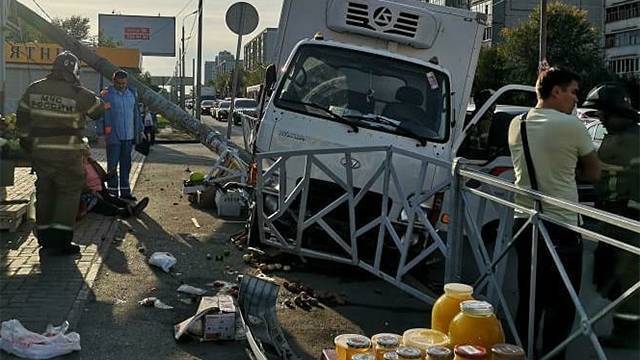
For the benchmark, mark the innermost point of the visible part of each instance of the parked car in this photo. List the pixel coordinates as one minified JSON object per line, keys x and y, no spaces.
{"x":587,"y":114}
{"x":597,"y":131}
{"x":222,"y":113}
{"x":244,"y":106}
{"x":206,"y":106}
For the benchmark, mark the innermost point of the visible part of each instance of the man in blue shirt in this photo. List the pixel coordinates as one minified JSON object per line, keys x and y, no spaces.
{"x":122,"y":128}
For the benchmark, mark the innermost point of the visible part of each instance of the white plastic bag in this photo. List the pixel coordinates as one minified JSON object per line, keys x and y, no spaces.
{"x":163,"y":260}
{"x":17,"y":340}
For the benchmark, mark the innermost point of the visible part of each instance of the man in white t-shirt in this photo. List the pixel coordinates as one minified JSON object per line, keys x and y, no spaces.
{"x":561,"y":150}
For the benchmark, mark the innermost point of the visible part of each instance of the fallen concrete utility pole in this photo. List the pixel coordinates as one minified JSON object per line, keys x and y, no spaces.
{"x":209,"y":137}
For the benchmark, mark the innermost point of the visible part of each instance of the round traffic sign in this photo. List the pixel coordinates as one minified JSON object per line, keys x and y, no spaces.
{"x":242,"y":18}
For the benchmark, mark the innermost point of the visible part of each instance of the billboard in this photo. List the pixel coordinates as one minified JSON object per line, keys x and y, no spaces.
{"x":153,"y":35}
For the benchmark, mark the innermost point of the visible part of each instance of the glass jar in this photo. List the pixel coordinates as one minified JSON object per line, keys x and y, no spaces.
{"x":341,"y":345}
{"x":448,"y":305}
{"x":391,"y":356}
{"x":424,"y":338}
{"x":408,"y":353}
{"x":439,"y":353}
{"x":476,"y":325}
{"x":470,"y":352}
{"x":363,"y":356}
{"x":357,"y":345}
{"x":507,"y":352}
{"x":383,"y":344}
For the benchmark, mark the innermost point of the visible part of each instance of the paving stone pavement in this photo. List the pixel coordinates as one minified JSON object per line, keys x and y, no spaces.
{"x":41,"y":290}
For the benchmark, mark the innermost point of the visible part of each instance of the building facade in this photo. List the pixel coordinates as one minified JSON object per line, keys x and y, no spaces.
{"x":224,"y":63}
{"x":259,"y":51}
{"x":209,"y":71}
{"x":509,"y":13}
{"x":622,"y":37}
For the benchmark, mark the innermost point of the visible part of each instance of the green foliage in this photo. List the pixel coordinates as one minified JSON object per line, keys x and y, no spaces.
{"x":75,"y":26}
{"x":572,"y":42}
{"x":9,"y":140}
{"x":489,"y":73}
{"x":145,"y":78}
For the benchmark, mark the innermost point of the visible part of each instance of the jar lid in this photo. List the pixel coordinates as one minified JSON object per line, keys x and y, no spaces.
{"x":470,"y":351}
{"x":439,"y":352}
{"x":363,"y":357}
{"x":341,"y":339}
{"x":358,"y":342}
{"x":409,"y":352}
{"x":392,"y":355}
{"x":458,"y":288}
{"x":476,"y":308}
{"x":387,"y":341}
{"x":508,"y":351}
{"x":423,"y":338}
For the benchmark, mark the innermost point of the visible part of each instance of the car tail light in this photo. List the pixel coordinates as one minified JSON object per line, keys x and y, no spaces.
{"x":499,"y":170}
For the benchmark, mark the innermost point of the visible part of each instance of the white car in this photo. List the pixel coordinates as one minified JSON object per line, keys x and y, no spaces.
{"x":587,"y":115}
{"x":597,"y":131}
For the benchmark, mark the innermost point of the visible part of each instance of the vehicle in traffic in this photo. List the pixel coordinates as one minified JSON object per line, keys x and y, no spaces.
{"x":244,"y":106}
{"x":206,"y":107}
{"x":587,"y":115}
{"x":222,"y":112}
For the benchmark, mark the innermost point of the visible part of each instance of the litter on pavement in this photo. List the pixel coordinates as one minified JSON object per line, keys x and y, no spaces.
{"x":214,"y":320}
{"x":163,"y":260}
{"x":188,"y":289}
{"x":155,"y":302}
{"x":17,"y":340}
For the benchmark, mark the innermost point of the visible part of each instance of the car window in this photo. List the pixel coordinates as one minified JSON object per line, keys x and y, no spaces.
{"x":246,"y":104}
{"x":600,"y":132}
{"x":225,"y":104}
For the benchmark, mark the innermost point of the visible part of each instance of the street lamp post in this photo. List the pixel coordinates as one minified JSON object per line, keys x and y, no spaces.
{"x":542,"y":55}
{"x":182,"y":60}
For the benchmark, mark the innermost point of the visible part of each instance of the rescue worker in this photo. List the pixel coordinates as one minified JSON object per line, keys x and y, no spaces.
{"x":618,"y":191}
{"x":50,"y":123}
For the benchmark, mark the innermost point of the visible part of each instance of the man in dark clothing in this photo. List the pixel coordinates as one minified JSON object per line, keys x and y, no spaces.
{"x":617,"y":270}
{"x":50,"y":121}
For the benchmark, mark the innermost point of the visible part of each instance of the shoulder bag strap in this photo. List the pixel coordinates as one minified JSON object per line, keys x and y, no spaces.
{"x":527,"y":155}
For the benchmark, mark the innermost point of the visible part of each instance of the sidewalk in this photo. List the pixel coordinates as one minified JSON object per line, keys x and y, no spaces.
{"x":38,"y":291}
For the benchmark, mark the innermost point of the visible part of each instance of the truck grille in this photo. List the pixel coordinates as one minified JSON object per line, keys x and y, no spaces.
{"x":382,"y":19}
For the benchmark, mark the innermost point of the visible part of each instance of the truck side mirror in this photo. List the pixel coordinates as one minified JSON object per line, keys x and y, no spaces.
{"x":269,"y":78}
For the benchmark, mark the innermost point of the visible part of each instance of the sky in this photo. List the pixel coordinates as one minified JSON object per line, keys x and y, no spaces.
{"x":216,"y":35}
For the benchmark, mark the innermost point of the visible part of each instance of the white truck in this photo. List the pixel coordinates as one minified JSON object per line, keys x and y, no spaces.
{"x":375,"y":72}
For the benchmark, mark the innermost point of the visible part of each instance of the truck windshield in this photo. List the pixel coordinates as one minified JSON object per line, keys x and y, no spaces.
{"x":246,"y":104}
{"x":371,"y":90}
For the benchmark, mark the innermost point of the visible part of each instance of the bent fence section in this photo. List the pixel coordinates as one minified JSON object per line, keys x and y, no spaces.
{"x":404,"y":225}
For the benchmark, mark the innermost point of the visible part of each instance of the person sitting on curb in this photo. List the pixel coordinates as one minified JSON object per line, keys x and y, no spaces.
{"x":97,"y":199}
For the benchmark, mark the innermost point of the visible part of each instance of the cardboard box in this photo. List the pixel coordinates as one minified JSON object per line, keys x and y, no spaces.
{"x":214,"y":320}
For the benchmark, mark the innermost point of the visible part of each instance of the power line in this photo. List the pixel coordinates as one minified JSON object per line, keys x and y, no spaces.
{"x":41,"y":9}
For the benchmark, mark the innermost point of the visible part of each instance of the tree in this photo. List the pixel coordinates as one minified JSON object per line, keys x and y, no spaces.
{"x":572,"y":43}
{"x":489,"y":73}
{"x":75,"y":26}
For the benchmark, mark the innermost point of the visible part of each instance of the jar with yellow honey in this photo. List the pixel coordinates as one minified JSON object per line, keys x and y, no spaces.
{"x":424,"y":338}
{"x":408,"y":353}
{"x":476,"y":324}
{"x":439,"y":353}
{"x":342,"y":348}
{"x":507,"y":352}
{"x":357,"y":345}
{"x":363,"y":356}
{"x":384,"y":343}
{"x":448,"y":305}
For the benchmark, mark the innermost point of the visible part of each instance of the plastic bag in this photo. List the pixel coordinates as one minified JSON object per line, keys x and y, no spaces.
{"x":17,"y":340}
{"x":163,"y":260}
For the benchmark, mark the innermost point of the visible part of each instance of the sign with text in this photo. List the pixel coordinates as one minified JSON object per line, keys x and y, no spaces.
{"x":152,"y":35}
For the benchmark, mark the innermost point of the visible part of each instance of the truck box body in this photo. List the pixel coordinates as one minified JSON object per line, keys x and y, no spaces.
{"x":368,"y":51}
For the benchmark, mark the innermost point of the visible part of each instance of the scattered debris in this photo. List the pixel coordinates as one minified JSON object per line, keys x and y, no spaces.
{"x":195,"y":222}
{"x":17,"y":340}
{"x":256,"y":250}
{"x":142,"y":249}
{"x":215,"y":319}
{"x":208,"y":256}
{"x":119,"y":302}
{"x":187,"y":301}
{"x":188,"y":289}
{"x":163,"y":260}
{"x":155,"y":302}
{"x":175,"y":203}
{"x":247,"y":258}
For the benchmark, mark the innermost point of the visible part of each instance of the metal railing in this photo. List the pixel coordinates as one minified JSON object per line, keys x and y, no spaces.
{"x":322,"y":164}
{"x":463,"y":223}
{"x":466,"y":203}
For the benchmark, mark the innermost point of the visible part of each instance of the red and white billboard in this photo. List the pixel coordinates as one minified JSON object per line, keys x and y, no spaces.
{"x":152,"y":35}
